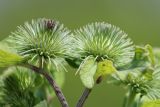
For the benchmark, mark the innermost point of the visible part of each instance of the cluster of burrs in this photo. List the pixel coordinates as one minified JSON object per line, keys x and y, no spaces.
{"x":99,"y":51}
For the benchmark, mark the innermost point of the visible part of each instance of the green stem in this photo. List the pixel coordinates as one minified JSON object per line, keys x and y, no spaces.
{"x":130,"y":99}
{"x":84,"y":97}
{"x":86,"y":93}
{"x":139,"y":101}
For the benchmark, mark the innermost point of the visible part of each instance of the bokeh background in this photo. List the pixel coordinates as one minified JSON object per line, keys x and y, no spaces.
{"x":139,"y":18}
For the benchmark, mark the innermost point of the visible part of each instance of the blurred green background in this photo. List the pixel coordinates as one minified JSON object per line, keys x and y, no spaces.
{"x":139,"y":18}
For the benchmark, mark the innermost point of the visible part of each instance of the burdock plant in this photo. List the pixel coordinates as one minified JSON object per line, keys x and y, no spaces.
{"x":44,"y":43}
{"x":103,"y":48}
{"x":99,"y":51}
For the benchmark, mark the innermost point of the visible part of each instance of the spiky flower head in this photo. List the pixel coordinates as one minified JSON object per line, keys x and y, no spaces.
{"x":140,"y":81}
{"x":103,"y":47}
{"x":104,"y":41}
{"x":42,"y":38}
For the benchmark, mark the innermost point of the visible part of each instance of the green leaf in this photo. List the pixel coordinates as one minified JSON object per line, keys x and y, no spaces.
{"x":87,"y":71}
{"x":155,"y":103}
{"x":42,"y":104}
{"x":104,"y":68}
{"x":9,"y":59}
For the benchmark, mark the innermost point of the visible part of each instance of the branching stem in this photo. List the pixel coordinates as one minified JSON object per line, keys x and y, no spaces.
{"x":57,"y":90}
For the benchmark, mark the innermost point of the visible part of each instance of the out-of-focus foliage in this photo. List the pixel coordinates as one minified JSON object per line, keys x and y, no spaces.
{"x":155,"y":103}
{"x":18,"y":88}
{"x":22,"y":87}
